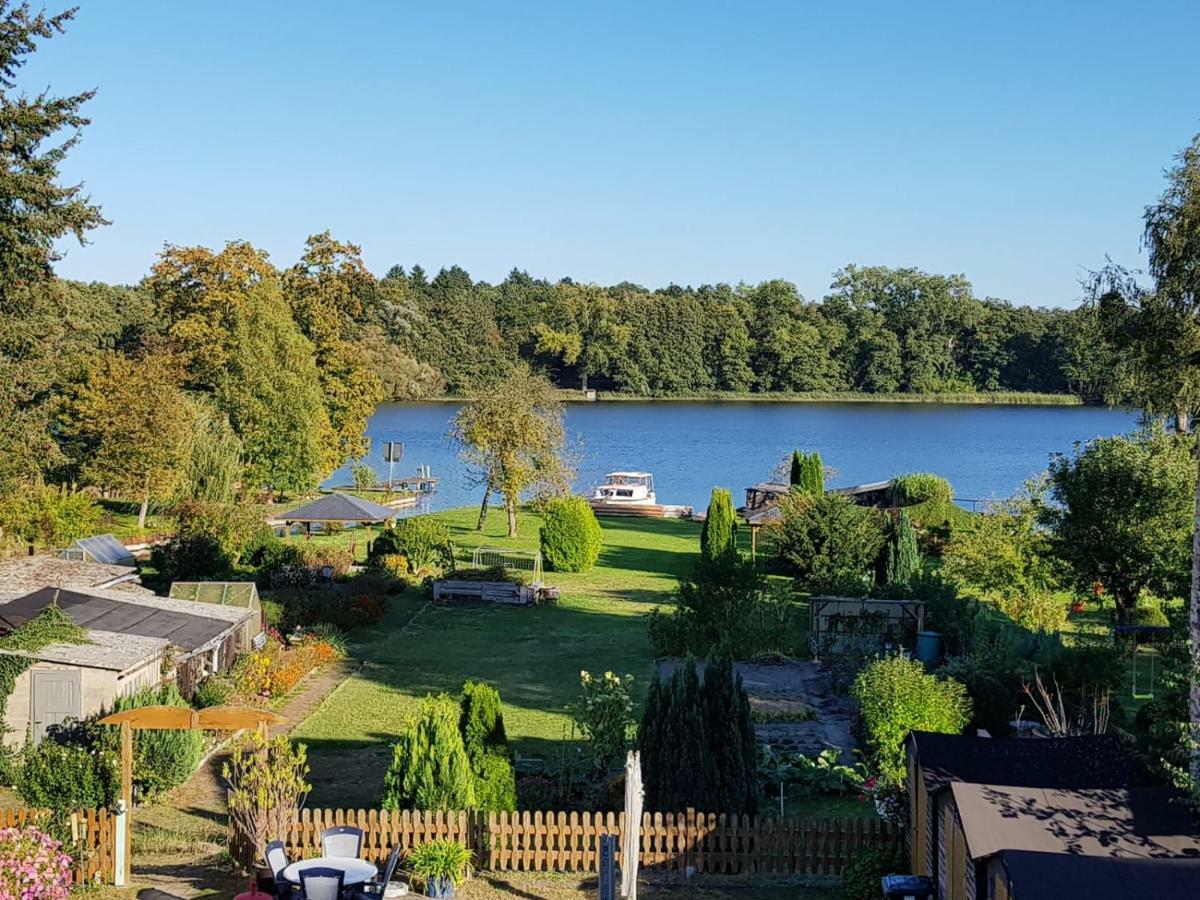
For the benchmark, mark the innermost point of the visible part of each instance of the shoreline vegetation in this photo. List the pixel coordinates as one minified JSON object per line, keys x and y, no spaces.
{"x":963,"y":398}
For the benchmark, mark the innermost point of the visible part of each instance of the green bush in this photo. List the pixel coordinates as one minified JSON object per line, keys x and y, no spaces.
{"x":192,"y":557}
{"x":162,"y":759}
{"x":864,"y":873}
{"x":1151,"y":615}
{"x":430,"y":768}
{"x":571,"y":538}
{"x":424,"y":540}
{"x":920,"y":487}
{"x":212,"y":691}
{"x":604,"y":716}
{"x":48,"y":516}
{"x":68,"y":777}
{"x":895,"y":695}
{"x":491,"y":573}
{"x":828,"y":542}
{"x":486,"y":743}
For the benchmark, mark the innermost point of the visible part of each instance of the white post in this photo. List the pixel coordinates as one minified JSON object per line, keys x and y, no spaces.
{"x":121,"y":851}
{"x":632,"y":845}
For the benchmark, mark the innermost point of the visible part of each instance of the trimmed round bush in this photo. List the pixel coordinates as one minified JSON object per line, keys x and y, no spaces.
{"x":920,"y":487}
{"x":571,"y":537}
{"x":1151,"y":615}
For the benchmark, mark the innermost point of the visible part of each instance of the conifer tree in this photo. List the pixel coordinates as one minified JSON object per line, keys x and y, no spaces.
{"x":429,"y":768}
{"x":649,"y":738}
{"x":718,"y":538}
{"x":485,"y":741}
{"x":903,"y":557}
{"x":813,"y":479}
{"x":797,"y":476}
{"x":725,"y":704}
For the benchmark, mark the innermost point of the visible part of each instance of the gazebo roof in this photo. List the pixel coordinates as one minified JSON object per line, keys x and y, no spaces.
{"x":338,"y":507}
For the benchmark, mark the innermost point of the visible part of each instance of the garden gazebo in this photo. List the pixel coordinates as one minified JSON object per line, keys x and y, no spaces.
{"x":341,"y":509}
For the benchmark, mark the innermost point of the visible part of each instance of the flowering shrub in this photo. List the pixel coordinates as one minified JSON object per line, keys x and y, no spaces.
{"x":604,"y":714}
{"x":32,"y":866}
{"x":277,"y":668}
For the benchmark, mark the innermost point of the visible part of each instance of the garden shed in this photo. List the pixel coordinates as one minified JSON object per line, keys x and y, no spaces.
{"x":133,"y":641}
{"x":23,"y":574}
{"x":1029,"y":875}
{"x":102,"y":548}
{"x":838,"y":622}
{"x":979,"y":822}
{"x":935,"y":761}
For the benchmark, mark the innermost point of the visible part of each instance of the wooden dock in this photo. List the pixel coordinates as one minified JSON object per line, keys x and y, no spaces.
{"x":641,"y":511}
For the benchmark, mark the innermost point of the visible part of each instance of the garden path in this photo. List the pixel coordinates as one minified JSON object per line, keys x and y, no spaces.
{"x":795,"y":706}
{"x":179,"y":841}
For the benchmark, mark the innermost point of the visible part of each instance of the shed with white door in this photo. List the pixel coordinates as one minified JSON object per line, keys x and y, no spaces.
{"x":134,"y":640}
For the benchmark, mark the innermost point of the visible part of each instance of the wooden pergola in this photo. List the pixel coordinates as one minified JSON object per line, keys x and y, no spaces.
{"x":170,"y":718}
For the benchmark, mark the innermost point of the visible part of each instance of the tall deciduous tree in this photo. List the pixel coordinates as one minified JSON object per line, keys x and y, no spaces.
{"x":512,"y":435}
{"x":226,"y":313}
{"x":132,"y":425}
{"x":328,"y":291}
{"x":1172,"y":237}
{"x":36,"y":210}
{"x":1123,"y":514}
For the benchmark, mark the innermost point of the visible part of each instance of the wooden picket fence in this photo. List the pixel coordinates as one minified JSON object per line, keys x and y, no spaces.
{"x":570,"y":842}
{"x":93,"y":840}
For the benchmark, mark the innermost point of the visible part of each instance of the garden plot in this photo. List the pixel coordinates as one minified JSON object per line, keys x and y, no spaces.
{"x":794,"y":706}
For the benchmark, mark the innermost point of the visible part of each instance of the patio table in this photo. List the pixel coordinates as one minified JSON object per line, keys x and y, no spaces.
{"x":357,"y":870}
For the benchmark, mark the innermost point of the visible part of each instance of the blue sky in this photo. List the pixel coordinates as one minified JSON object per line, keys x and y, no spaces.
{"x":1014,"y":142}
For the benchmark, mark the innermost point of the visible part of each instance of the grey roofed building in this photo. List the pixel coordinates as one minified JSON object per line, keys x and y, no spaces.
{"x":101,"y":548}
{"x":24,"y":574}
{"x":338,"y":507}
{"x":186,"y":629}
{"x":1137,"y":822}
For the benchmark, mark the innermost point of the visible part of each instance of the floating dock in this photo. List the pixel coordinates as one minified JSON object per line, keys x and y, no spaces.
{"x":641,"y":510}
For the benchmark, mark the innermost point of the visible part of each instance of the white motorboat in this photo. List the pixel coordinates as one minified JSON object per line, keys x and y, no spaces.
{"x":626,"y":489}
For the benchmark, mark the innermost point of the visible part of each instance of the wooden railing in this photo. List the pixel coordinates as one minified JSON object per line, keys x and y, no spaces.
{"x":92,"y":844}
{"x":570,"y":842}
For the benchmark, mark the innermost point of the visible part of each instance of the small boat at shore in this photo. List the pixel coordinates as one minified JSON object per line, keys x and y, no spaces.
{"x":632,"y":494}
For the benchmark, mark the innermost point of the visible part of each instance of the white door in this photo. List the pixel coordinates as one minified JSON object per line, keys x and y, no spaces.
{"x":56,"y":698}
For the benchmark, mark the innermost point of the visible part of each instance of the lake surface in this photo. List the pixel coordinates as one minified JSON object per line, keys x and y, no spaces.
{"x":985,"y":451}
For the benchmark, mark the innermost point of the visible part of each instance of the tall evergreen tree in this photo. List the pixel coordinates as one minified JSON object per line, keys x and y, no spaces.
{"x":903,"y":556}
{"x":718,"y":537}
{"x":797,"y":475}
{"x":486,"y":743}
{"x":814,"y":475}
{"x":725,"y":704}
{"x":649,"y":738}
{"x":429,"y":768}
{"x":36,"y":210}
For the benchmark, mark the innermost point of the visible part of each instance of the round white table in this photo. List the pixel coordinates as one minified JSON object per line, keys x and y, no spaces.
{"x":357,"y":870}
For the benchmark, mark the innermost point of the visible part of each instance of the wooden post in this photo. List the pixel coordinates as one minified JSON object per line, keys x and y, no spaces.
{"x":127,"y":793}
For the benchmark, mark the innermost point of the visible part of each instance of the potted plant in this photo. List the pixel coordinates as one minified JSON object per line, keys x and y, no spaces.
{"x":442,"y":865}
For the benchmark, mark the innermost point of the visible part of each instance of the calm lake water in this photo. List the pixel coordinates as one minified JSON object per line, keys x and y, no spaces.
{"x":985,"y":451}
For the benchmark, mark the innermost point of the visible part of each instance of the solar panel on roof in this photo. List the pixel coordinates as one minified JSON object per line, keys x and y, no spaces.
{"x":103,"y":614}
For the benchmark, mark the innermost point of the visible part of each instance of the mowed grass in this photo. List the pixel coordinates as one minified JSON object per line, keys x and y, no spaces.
{"x":532,"y":655}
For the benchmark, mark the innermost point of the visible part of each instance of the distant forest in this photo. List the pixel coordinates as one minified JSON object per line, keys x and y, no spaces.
{"x":878,"y":330}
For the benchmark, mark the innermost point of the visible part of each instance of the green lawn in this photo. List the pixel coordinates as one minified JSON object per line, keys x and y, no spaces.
{"x":532,"y":655}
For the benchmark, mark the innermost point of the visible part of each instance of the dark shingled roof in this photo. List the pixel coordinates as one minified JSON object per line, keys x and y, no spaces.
{"x":1094,"y":761}
{"x":102,"y":614}
{"x":1136,"y":823}
{"x":338,"y":507}
{"x":1057,"y":876}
